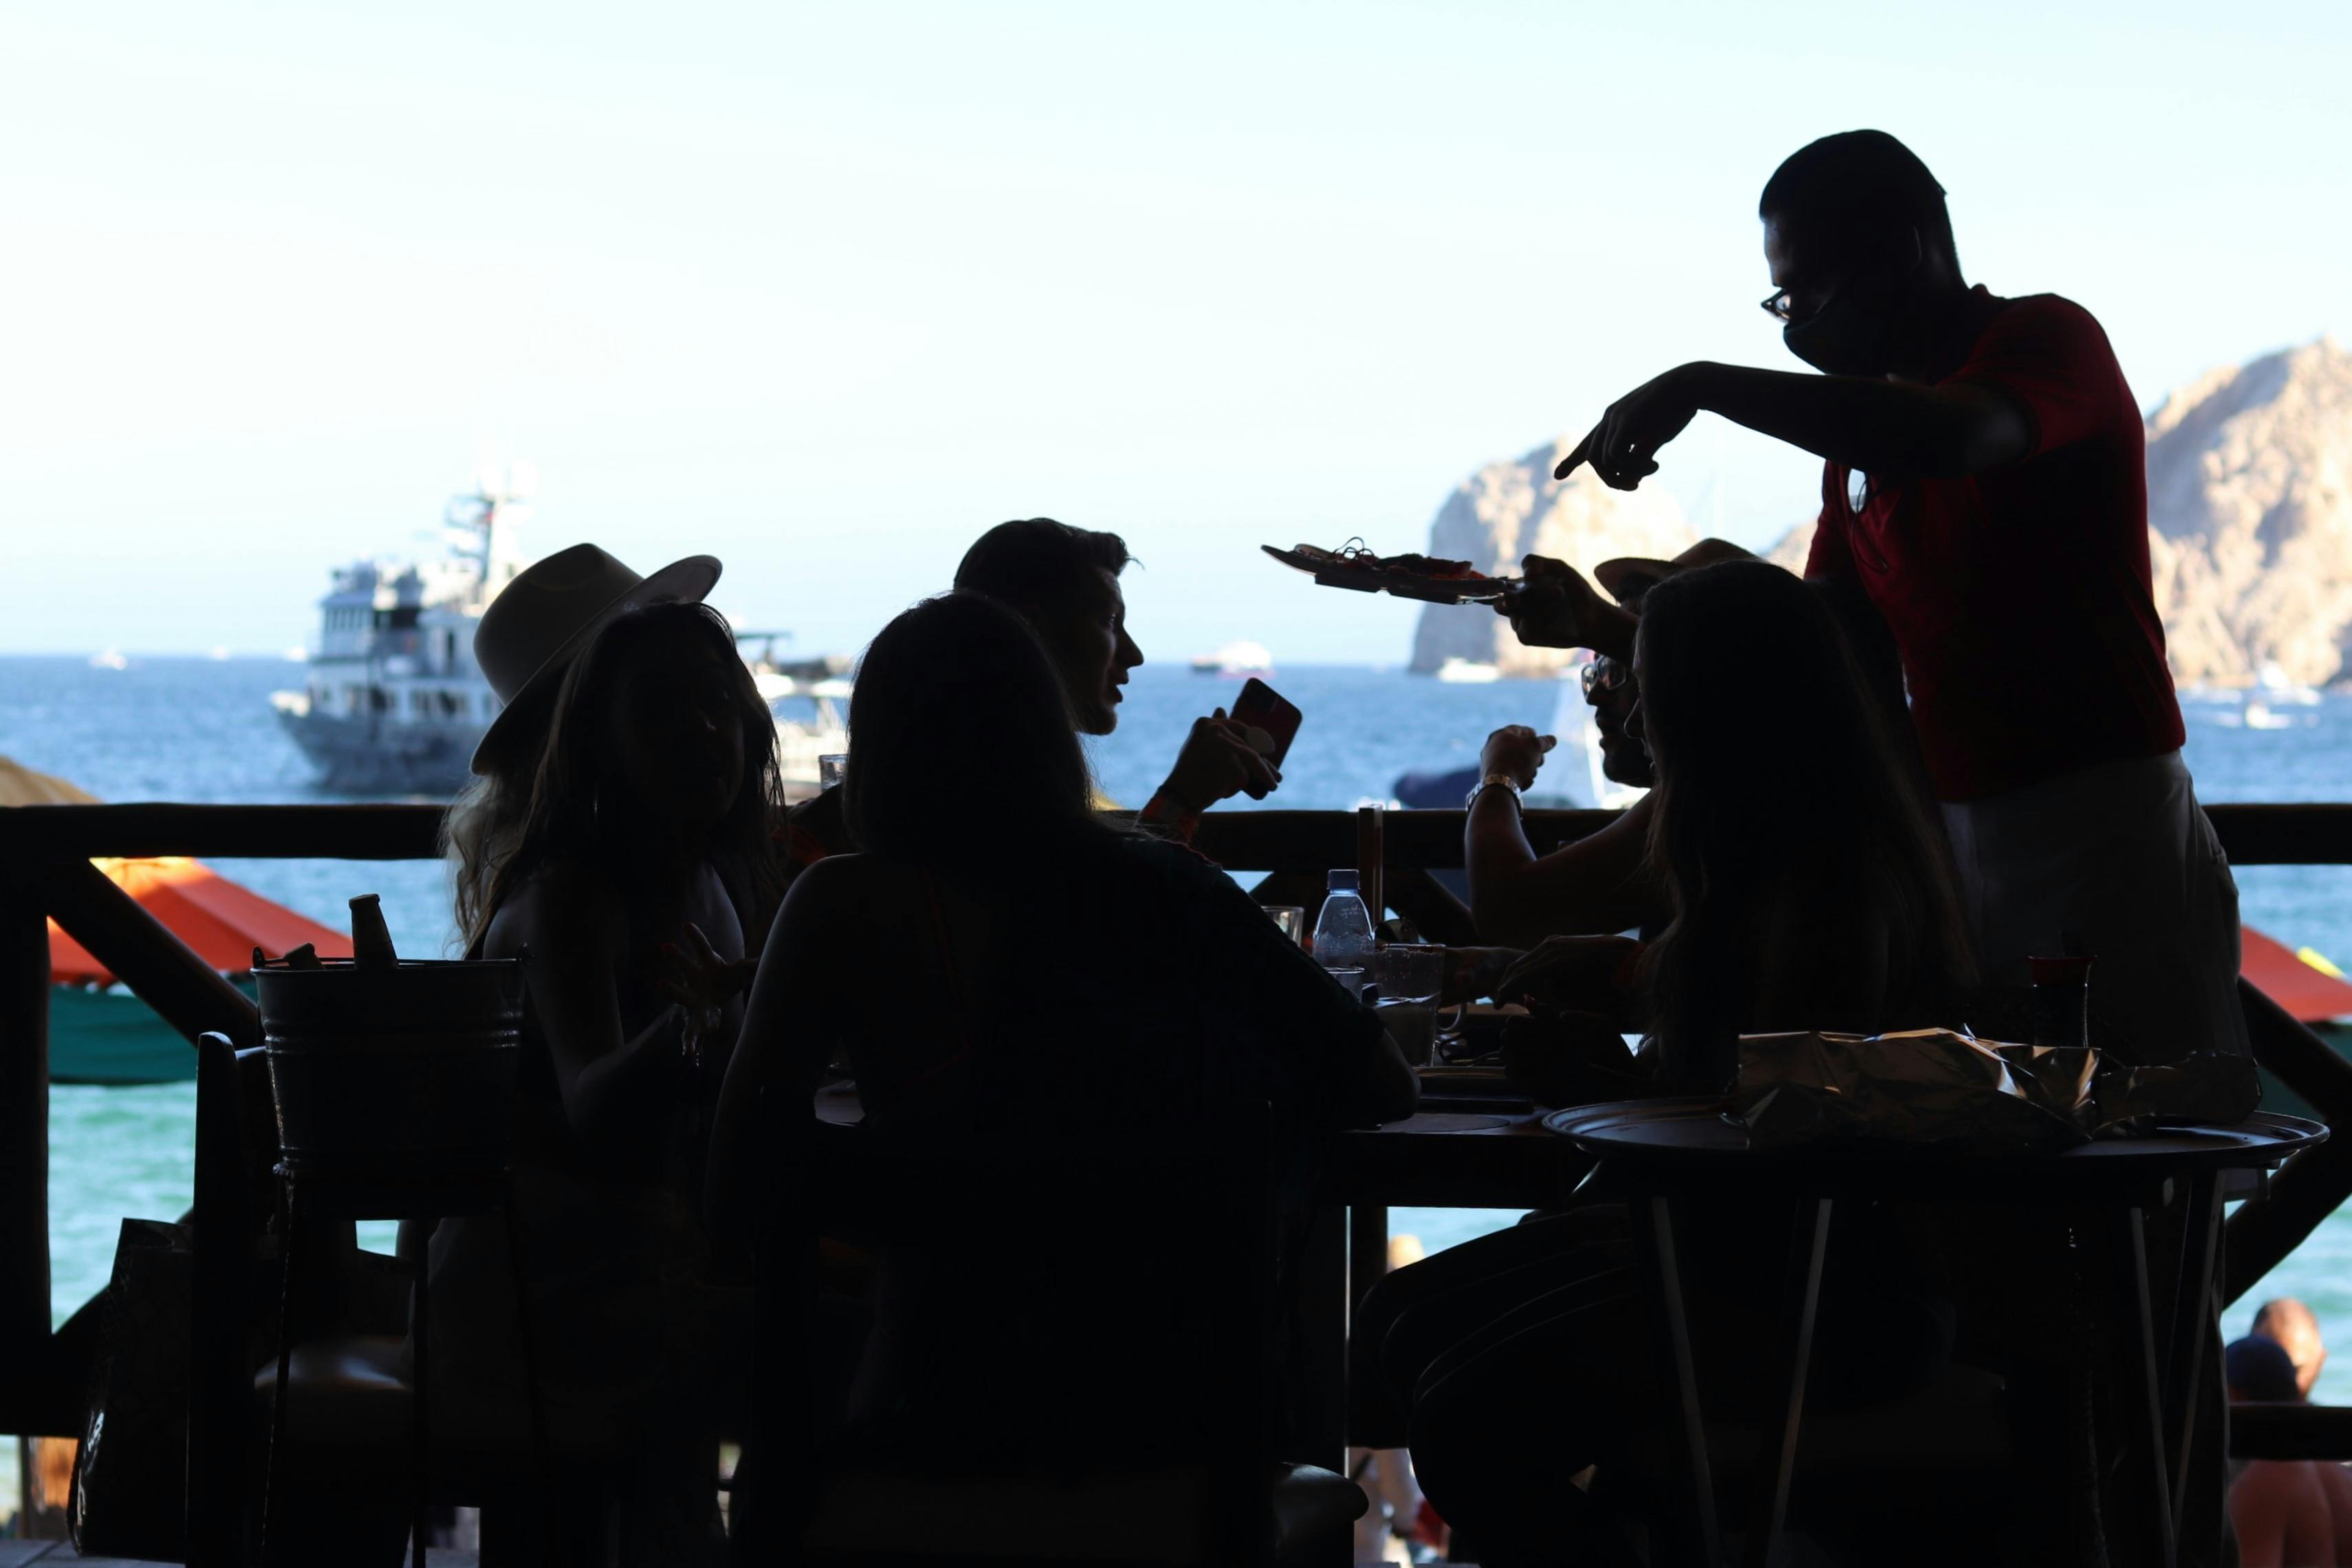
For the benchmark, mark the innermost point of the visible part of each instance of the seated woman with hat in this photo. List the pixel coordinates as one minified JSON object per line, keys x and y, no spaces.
{"x":631,"y":781}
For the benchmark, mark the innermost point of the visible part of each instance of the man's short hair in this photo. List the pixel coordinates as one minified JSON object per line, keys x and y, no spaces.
{"x":1859,"y":179}
{"x":1037,"y":564}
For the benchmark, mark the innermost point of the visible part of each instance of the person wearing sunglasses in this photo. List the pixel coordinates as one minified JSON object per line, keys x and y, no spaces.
{"x":1599,"y":884}
{"x":1984,"y":487}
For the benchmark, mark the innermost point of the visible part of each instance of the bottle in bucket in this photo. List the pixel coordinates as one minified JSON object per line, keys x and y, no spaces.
{"x":370,"y":938}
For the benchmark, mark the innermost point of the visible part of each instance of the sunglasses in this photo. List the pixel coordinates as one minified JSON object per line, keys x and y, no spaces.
{"x":1606,"y":674}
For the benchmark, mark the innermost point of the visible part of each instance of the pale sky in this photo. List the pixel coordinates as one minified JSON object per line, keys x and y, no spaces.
{"x":825,"y":290}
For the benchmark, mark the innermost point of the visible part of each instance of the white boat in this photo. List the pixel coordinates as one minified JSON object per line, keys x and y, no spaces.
{"x":2274,"y":688}
{"x":2261,"y":716}
{"x":1236,"y":662}
{"x":1467,"y":673}
{"x":395,"y":702}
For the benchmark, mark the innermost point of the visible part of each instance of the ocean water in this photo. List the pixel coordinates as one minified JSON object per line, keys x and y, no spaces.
{"x":202,"y":731}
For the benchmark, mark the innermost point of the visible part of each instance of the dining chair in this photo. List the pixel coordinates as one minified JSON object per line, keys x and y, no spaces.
{"x":345,"y":1466}
{"x":1205,"y":1200}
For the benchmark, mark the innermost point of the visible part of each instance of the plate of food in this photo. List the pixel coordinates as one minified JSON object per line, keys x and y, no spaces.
{"x":1431,"y":578}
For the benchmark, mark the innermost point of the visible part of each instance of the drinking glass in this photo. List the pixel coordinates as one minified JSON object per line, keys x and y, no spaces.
{"x":1410,"y":972}
{"x":1291,"y":918}
{"x":832,"y":768}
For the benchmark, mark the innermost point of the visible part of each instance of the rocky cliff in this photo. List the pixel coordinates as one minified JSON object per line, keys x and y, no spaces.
{"x":2250,"y":520}
{"x":1509,"y":510}
{"x":2249,"y":516}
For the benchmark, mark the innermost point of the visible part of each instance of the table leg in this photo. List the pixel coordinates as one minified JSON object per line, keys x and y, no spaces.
{"x":1653,"y":1244}
{"x":270,"y":1499}
{"x":2192,"y":1321}
{"x":1321,"y":1302}
{"x":419,"y":1411}
{"x":1368,"y":1251}
{"x":1777,"y":1454}
{"x":2142,"y":1410}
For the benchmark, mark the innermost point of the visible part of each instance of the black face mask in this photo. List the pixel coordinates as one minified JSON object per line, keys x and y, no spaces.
{"x":1841,"y":337}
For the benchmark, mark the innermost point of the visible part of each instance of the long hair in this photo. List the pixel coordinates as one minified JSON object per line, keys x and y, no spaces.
{"x":559,"y":819}
{"x":1810,"y":886}
{"x":478,"y":834}
{"x":960,"y":750}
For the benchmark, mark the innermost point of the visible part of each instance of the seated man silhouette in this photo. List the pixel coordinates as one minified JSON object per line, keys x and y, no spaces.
{"x":2286,"y":1512}
{"x":1063,"y":582}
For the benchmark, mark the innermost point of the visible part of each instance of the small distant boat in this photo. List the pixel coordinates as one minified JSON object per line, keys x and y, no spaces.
{"x":1236,"y":662}
{"x":110,"y":660}
{"x":2274,"y":688}
{"x":1467,"y":673}
{"x":2261,"y":716}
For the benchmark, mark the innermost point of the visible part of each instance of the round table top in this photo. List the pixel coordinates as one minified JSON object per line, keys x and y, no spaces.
{"x":1699,"y":1133}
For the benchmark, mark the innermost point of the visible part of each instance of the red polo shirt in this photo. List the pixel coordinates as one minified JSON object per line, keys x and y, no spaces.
{"x":2019,"y":597}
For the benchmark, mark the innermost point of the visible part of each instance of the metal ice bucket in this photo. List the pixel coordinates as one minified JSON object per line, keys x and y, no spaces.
{"x":392,"y":1072}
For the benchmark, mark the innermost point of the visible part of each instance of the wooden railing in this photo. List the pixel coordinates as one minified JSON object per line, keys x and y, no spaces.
{"x":44,"y":871}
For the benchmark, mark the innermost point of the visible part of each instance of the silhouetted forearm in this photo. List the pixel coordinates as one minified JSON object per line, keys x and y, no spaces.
{"x":1889,"y":427}
{"x":1593,"y":887}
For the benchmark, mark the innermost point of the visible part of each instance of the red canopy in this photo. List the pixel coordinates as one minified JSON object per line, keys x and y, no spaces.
{"x":2311,"y":994}
{"x":221,"y":922}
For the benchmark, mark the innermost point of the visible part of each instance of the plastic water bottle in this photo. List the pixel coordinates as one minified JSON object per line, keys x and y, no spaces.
{"x":1343,"y":932}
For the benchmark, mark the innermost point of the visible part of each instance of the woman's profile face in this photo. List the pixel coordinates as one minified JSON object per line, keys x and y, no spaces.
{"x":672,"y":733}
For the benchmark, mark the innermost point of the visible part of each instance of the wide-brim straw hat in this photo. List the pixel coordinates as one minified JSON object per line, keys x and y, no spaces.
{"x":1628,"y":577}
{"x":540,"y":621}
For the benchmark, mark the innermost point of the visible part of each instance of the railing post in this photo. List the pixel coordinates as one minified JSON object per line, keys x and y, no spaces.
{"x":1372,"y":858}
{"x":24,"y":1147}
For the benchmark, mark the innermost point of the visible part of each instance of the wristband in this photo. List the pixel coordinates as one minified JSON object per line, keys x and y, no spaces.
{"x":1169,"y":810}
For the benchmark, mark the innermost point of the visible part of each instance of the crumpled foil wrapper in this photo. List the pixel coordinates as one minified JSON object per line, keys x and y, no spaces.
{"x":1939,"y":1091}
{"x":1931,"y":1090}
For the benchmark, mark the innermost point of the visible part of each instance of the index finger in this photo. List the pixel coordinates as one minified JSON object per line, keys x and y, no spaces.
{"x":1567,"y":465}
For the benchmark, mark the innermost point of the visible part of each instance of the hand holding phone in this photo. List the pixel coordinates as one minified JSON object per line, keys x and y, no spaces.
{"x":1268,"y":722}
{"x":1235,"y":753}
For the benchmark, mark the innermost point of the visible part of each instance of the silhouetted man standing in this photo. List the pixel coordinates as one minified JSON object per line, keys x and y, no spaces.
{"x":1985,"y":485}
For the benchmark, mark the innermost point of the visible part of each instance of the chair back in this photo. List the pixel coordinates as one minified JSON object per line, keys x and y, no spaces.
{"x":1160,"y":1243}
{"x":234,"y":1197}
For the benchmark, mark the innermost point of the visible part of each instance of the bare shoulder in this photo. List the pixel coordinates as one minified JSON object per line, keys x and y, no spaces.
{"x":2336,"y":1482}
{"x":563,"y":906}
{"x":2283,"y":1501}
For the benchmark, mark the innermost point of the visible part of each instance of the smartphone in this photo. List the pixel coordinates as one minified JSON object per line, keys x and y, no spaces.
{"x":1274,"y":722}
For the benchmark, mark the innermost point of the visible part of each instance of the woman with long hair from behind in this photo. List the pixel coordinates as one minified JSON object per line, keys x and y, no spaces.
{"x":1045,"y":976}
{"x":1807,"y":889}
{"x":655,"y":783}
{"x":1810,"y":885}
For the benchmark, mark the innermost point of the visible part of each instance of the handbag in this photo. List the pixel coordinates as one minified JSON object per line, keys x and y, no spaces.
{"x":131,"y":1477}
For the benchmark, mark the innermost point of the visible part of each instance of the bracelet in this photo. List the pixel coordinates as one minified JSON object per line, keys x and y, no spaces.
{"x":1494,"y":781}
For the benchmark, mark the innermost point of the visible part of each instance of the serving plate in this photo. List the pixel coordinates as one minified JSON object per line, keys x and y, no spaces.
{"x":1340,"y":572}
